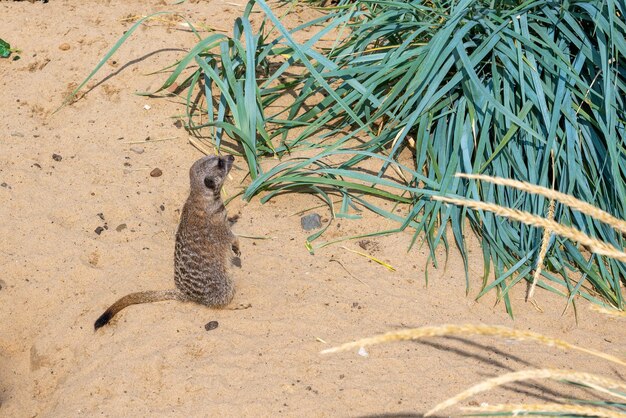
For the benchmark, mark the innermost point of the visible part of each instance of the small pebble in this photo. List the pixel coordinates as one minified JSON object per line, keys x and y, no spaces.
{"x":162,"y":207}
{"x":147,"y":107}
{"x":363,"y":352}
{"x":4,"y":184}
{"x":211,"y":325}
{"x":99,"y":230}
{"x":17,"y":134}
{"x":156,"y":172}
{"x":56,"y":157}
{"x":120,"y":227}
{"x":101,"y":215}
{"x":310,"y":222}
{"x":137,"y":150}
{"x":64,"y":46}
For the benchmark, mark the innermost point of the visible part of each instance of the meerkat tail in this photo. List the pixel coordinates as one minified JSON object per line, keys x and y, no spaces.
{"x":135,"y":298}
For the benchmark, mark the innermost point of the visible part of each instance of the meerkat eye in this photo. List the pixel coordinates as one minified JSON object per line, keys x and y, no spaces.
{"x":220,"y":163}
{"x":209,"y":183}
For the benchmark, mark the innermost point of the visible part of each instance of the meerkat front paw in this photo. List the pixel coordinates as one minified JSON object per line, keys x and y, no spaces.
{"x":236,"y":259}
{"x":233,"y":219}
{"x":235,"y":247}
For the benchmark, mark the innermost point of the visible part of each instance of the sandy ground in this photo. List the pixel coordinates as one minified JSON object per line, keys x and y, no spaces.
{"x":58,"y":274}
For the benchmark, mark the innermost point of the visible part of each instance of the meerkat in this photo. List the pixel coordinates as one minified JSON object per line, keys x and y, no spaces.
{"x":205,"y":249}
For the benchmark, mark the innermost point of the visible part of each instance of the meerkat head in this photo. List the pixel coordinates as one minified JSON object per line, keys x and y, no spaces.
{"x":209,"y":173}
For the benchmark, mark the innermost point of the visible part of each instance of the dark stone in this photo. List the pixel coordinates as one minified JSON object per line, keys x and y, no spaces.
{"x":56,"y":157}
{"x":211,"y":325}
{"x":120,"y":227}
{"x":310,"y":222}
{"x":156,"y":172}
{"x":99,"y":230}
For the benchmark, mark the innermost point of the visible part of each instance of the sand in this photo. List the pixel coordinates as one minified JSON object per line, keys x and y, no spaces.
{"x":87,"y":167}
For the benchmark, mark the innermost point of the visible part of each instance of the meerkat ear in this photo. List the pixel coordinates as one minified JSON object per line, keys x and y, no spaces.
{"x":209,"y":183}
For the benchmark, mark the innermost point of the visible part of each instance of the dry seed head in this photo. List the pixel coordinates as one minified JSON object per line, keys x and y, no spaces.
{"x":566,"y":199}
{"x":593,"y":244}
{"x":468,"y":329}
{"x":599,"y":383}
{"x":548,"y":408}
{"x":542,"y":252}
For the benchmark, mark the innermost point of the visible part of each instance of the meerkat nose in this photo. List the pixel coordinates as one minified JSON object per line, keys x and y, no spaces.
{"x":230,"y":158}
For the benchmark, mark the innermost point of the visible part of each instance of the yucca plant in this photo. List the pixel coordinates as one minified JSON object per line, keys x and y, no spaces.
{"x":527,"y":90}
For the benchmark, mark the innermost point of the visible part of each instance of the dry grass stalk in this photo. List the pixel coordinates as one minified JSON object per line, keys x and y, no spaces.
{"x":566,"y":199}
{"x":593,"y":244}
{"x":201,"y":147}
{"x":469,"y":329}
{"x":374,"y":259}
{"x":599,"y":383}
{"x":542,"y":252}
{"x":549,"y":408}
{"x":397,"y":169}
{"x":610,"y":312}
{"x":169,"y":20}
